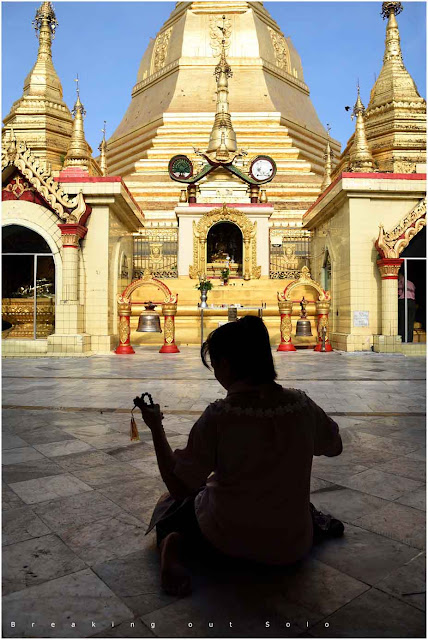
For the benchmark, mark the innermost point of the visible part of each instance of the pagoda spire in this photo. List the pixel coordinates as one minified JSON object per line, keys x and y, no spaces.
{"x":43,"y":80}
{"x":40,"y":116}
{"x":222,"y":146}
{"x":328,"y":157}
{"x":360,"y":155}
{"x":103,"y":152}
{"x":394,"y":83}
{"x":79,"y":152}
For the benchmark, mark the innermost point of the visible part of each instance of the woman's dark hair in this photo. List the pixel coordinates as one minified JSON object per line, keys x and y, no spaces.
{"x":245,"y":345}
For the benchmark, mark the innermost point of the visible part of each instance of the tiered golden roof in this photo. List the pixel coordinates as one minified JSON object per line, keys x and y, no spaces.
{"x":40,"y":116}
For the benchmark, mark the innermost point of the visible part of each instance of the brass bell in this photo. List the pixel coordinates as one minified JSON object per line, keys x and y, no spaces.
{"x":303,"y":328}
{"x":149,"y":320}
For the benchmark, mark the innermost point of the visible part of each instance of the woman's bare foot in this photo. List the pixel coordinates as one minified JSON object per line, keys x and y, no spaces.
{"x":175,"y":578}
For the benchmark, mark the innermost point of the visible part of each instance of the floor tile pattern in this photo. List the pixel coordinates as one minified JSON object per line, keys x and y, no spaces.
{"x":78,"y":496}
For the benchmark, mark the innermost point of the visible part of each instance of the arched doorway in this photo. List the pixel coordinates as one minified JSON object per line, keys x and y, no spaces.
{"x":412,"y":304}
{"x":28,"y":282}
{"x":224,"y":246}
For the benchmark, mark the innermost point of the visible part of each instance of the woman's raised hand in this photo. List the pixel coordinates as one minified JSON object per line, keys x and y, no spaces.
{"x":151,"y":413}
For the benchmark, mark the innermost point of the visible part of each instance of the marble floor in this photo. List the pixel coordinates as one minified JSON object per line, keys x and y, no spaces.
{"x":77,"y":497}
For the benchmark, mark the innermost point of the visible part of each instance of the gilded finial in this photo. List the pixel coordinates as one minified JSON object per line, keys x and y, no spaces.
{"x":79,"y":152}
{"x":328,"y":157}
{"x":360,"y":156}
{"x":76,"y":80}
{"x":391,"y":7}
{"x":103,"y":149}
{"x":45,"y":24}
{"x":222,"y":146}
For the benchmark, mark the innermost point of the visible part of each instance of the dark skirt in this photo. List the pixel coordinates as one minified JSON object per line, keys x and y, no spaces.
{"x":172,"y":515}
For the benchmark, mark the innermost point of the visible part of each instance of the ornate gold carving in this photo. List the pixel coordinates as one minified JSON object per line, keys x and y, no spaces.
{"x":281,"y":49}
{"x":124,"y":298}
{"x":286,"y":328}
{"x":72,"y":239}
{"x":388,"y":268}
{"x":169,"y":330}
{"x":123,"y":329}
{"x":390,"y":244}
{"x":156,"y":253}
{"x":305,"y":279}
{"x":160,"y":50}
{"x":20,"y":312}
{"x":219,"y":30}
{"x":248,"y":229}
{"x":18,"y":187}
{"x":18,"y":154}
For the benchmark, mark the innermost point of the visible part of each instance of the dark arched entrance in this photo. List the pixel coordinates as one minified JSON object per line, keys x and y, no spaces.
{"x":224,"y":246}
{"x":28,"y":283}
{"x":412,"y":306}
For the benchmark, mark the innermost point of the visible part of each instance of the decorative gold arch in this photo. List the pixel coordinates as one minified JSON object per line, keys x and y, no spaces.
{"x":124,"y":298}
{"x":200,"y":233}
{"x":19,"y":155}
{"x":304,"y":280}
{"x":391,"y":243}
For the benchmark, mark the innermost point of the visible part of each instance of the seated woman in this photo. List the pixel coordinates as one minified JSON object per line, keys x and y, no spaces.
{"x":241,"y":486}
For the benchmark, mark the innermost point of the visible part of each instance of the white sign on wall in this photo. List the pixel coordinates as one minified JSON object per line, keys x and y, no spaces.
{"x":361,"y":318}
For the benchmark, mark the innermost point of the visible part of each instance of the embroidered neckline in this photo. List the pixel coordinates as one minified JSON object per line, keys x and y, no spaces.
{"x":223,"y":406}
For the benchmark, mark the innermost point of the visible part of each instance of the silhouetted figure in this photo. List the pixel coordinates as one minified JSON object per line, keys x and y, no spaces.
{"x":241,"y":486}
{"x":408,"y":292}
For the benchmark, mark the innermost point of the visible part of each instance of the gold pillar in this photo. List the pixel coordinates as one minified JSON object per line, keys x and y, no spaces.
{"x":285,"y":309}
{"x":124,"y":347}
{"x":169,"y":311}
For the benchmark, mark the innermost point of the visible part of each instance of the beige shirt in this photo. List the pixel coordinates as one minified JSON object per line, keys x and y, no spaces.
{"x":258,"y":445}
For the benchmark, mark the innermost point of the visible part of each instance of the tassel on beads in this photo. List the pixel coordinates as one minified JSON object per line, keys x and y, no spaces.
{"x":134,"y":431}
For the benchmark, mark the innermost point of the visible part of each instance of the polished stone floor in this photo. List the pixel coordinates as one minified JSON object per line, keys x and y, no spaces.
{"x":77,"y":497}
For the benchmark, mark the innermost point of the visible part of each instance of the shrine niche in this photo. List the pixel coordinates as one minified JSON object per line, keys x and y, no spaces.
{"x":202,"y":251}
{"x":224,"y":248}
{"x":319,"y":307}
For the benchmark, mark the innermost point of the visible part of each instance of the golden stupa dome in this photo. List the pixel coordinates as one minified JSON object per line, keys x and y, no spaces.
{"x":176,"y":71}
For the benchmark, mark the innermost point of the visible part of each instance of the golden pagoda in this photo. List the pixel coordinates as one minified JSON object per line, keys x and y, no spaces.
{"x":395,"y":119}
{"x":40,"y":116}
{"x":174,"y":99}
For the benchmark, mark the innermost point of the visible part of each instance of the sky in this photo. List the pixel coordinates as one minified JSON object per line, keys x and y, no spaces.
{"x":339,"y":43}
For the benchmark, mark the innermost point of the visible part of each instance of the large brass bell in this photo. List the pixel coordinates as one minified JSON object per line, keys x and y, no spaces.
{"x":303,"y":328}
{"x":149,"y":320}
{"x":303,"y":325}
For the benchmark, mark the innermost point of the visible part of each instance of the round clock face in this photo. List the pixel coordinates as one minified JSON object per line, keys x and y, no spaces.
{"x":263,"y":169}
{"x":180,"y":168}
